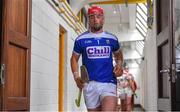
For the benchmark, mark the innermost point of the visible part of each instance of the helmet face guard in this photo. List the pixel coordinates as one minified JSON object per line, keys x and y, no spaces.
{"x":95,"y":9}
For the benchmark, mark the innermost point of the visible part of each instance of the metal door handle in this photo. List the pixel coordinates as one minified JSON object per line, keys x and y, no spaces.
{"x":177,"y":70}
{"x":2,"y":74}
{"x":165,"y":70}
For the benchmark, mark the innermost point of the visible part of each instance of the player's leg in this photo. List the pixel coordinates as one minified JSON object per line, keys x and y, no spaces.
{"x":132,"y":102}
{"x":123,"y":101}
{"x":129,"y":100}
{"x":128,"y":103}
{"x":123,"y":105}
{"x":91,"y":97}
{"x":109,"y":103}
{"x":108,"y":97}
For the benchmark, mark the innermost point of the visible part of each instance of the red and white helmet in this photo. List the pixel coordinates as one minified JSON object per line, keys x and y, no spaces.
{"x":95,"y":9}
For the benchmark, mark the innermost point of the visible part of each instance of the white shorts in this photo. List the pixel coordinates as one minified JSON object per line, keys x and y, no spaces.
{"x":129,"y":92}
{"x":125,"y":92}
{"x":94,"y":92}
{"x":121,"y":93}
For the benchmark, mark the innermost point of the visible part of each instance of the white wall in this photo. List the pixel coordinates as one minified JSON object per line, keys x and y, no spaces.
{"x":151,"y":75}
{"x":150,"y":71}
{"x":45,"y":60}
{"x":143,"y":84}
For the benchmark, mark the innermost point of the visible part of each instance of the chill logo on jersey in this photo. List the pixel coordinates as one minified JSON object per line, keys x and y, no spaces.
{"x":95,"y":52}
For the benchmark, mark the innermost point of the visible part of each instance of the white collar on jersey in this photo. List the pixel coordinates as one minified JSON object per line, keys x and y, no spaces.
{"x":97,"y":35}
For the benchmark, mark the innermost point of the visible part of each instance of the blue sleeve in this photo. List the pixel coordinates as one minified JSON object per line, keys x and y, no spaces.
{"x":115,"y":46}
{"x":77,"y":47}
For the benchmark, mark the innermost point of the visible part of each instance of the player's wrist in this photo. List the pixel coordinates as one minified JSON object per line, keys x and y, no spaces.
{"x":119,"y":63}
{"x":75,"y":75}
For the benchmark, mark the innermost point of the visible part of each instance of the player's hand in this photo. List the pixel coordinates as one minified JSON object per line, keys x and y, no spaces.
{"x":79,"y":82}
{"x":118,"y":71}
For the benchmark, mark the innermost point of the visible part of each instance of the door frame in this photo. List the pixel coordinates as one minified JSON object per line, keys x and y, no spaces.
{"x":62,"y":57}
{"x":1,"y":45}
{"x":172,"y":54}
{"x":166,"y":31}
{"x":173,"y":90}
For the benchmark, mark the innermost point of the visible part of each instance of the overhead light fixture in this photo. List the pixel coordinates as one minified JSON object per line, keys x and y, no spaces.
{"x":114,"y":12}
{"x":115,"y":9}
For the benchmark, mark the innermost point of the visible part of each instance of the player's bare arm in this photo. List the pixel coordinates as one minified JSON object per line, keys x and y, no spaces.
{"x":119,"y":61}
{"x":75,"y":70}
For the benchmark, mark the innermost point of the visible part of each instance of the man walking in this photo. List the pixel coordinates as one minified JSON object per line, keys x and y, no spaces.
{"x":97,"y":48}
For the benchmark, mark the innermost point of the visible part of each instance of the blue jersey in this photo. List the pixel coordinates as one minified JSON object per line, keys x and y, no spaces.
{"x":96,"y":51}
